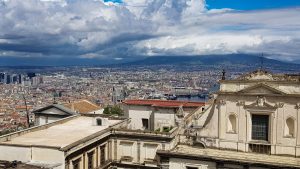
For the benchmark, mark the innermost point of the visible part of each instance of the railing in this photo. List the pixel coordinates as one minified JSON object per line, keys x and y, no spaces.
{"x":171,"y":133}
{"x":260,"y":148}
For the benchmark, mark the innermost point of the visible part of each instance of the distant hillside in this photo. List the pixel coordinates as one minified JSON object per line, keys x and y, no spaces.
{"x":232,"y":59}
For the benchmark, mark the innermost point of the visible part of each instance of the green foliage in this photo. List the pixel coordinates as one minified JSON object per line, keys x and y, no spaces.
{"x":157,"y":130}
{"x":167,"y":129}
{"x":113,"y":110}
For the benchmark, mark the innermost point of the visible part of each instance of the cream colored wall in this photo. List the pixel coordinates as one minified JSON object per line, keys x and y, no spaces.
{"x":164,"y":118}
{"x":146,"y":149}
{"x":41,"y":120}
{"x":281,"y":144}
{"x":210,"y":120}
{"x":136,"y":114}
{"x":292,"y":88}
{"x":34,"y":154}
{"x":47,"y":155}
{"x":11,"y":153}
{"x":176,"y":163}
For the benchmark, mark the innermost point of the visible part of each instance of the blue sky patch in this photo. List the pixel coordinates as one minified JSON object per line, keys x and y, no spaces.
{"x":118,"y":1}
{"x":251,"y":4}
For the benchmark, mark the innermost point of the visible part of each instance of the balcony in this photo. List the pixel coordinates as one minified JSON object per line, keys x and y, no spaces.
{"x":260,"y":148}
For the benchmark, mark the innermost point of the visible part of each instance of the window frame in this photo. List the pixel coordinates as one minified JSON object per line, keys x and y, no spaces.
{"x":147,"y":125}
{"x":76,"y":163}
{"x":90,"y":160}
{"x":102,"y":154}
{"x":260,"y":131}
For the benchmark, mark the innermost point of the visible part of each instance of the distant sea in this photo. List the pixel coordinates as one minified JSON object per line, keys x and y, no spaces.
{"x":192,"y":98}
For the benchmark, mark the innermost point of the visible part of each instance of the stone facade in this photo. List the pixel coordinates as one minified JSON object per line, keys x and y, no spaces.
{"x":254,"y":102}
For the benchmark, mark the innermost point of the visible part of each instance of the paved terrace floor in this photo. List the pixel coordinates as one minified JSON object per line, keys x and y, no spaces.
{"x":60,"y":135}
{"x":225,"y":155}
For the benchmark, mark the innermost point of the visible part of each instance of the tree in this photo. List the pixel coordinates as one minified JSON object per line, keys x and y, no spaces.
{"x":113,"y":110}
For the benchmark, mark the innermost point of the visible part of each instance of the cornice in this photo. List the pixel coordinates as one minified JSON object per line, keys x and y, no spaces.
{"x":256,"y":94}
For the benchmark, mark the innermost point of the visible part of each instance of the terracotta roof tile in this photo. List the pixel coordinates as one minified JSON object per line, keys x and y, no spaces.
{"x":83,"y":106}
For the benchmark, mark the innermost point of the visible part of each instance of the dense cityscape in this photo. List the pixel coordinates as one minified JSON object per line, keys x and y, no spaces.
{"x":103,"y":86}
{"x":40,"y":87}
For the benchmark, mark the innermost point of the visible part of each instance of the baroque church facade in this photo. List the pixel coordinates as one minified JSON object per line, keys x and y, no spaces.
{"x":257,"y":112}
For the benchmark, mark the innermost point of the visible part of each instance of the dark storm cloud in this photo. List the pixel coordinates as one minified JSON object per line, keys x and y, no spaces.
{"x":94,"y":29}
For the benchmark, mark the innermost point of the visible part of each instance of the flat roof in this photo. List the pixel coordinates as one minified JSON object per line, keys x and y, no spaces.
{"x":61,"y":135}
{"x":18,"y":165}
{"x":234,"y":156}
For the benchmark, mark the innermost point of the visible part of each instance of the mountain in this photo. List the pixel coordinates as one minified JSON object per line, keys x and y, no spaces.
{"x":234,"y":62}
{"x":232,"y":59}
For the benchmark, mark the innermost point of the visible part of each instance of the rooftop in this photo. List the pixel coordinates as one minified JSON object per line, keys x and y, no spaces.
{"x":83,"y":106}
{"x":75,"y":129}
{"x":241,"y":157}
{"x":164,"y":103}
{"x":57,"y":106}
{"x":17,"y":165}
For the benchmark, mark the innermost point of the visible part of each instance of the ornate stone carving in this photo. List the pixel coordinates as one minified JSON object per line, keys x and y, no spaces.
{"x":261,"y":101}
{"x":240,"y":103}
{"x":222,"y":102}
{"x":297,"y":106}
{"x":279,"y":105}
{"x":261,"y":105}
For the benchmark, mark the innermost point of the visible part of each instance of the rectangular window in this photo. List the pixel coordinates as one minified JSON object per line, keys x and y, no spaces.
{"x":145,"y":124}
{"x":102,"y":155}
{"x":91,"y":160}
{"x":260,"y":127}
{"x":76,"y":164}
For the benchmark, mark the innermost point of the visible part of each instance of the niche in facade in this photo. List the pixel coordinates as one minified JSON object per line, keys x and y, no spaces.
{"x":231,"y":124}
{"x":290,"y":127}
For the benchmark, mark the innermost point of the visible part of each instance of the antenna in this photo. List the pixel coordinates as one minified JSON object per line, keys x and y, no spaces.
{"x":27,"y":113}
{"x":262,"y":61}
{"x":223,"y":74}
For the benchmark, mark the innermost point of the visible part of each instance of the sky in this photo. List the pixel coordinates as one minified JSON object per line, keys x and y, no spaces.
{"x":251,"y":4}
{"x":69,"y":30}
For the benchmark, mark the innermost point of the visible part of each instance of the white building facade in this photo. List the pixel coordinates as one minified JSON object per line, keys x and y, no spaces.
{"x":258,"y":112}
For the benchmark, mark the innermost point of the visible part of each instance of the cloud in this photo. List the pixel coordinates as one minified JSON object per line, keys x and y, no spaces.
{"x":134,"y":28}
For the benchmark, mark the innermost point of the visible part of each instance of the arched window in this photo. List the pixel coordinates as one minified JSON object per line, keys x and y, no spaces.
{"x":290,"y":127}
{"x":231,"y":124}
